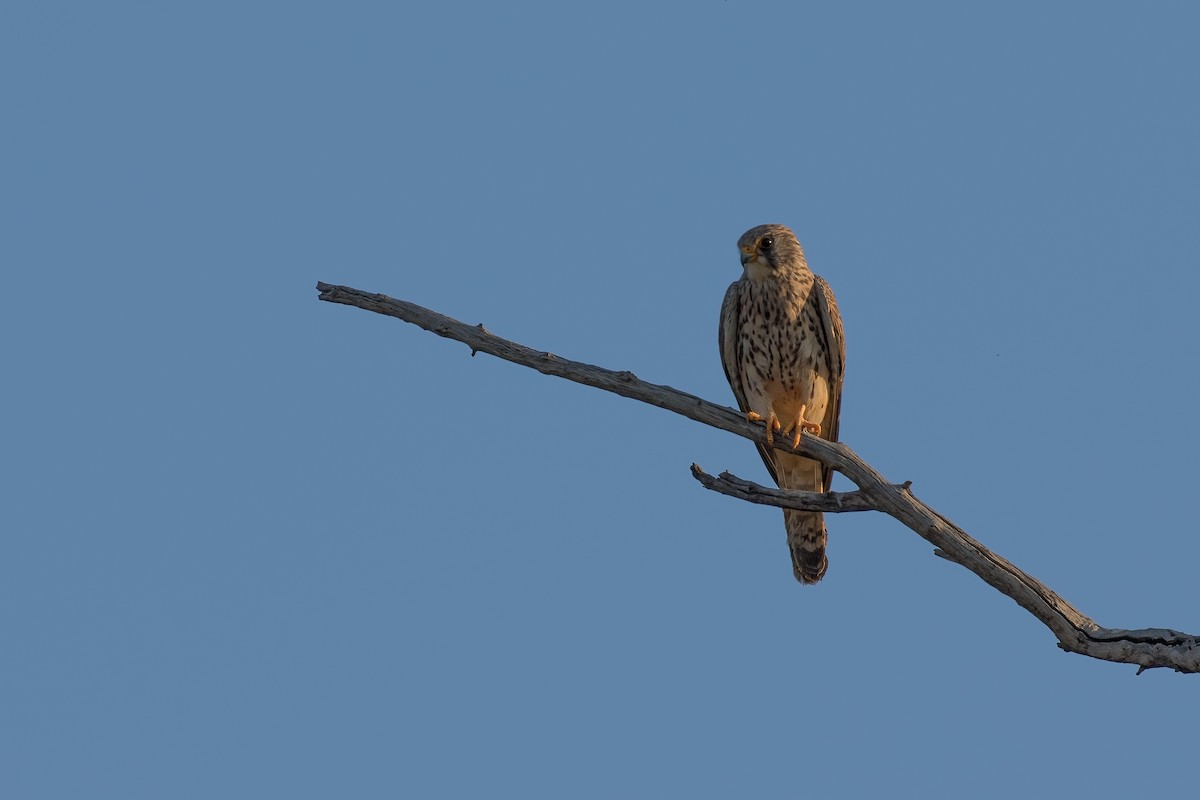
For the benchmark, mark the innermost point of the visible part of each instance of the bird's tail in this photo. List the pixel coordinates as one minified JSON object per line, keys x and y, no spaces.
{"x":806,"y":539}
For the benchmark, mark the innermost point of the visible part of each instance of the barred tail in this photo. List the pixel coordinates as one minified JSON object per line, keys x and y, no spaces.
{"x":806,"y":539}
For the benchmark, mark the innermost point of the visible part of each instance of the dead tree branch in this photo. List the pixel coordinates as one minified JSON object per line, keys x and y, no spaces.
{"x":742,"y":489}
{"x":1076,"y":633}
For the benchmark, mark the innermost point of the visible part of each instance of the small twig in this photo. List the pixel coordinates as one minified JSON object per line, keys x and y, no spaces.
{"x":832,"y":502}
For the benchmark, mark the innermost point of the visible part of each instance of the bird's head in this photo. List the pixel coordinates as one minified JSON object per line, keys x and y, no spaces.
{"x":769,"y":248}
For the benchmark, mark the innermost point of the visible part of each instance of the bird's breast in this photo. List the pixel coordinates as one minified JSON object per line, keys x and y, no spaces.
{"x":779,"y":340}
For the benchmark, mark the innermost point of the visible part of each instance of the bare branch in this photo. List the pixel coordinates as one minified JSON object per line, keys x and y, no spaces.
{"x":626,"y":384}
{"x":831,"y":502}
{"x":1148,"y":648}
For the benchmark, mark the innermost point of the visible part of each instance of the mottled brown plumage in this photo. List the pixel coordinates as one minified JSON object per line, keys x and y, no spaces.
{"x":784,"y":353}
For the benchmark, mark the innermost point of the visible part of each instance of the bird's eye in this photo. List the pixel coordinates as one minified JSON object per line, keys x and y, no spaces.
{"x":767,"y":242}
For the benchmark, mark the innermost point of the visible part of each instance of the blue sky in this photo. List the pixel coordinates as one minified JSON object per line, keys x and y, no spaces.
{"x":257,"y":545}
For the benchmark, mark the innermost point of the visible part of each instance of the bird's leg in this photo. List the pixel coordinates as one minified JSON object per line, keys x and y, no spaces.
{"x":800,"y":425}
{"x":771,"y":421}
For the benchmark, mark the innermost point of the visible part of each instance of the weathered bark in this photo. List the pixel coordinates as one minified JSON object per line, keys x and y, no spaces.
{"x":1148,"y":647}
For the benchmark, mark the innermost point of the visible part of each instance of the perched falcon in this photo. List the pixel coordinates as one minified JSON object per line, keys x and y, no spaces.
{"x":783,"y":352}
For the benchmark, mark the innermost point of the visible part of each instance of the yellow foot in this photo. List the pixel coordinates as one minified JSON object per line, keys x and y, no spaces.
{"x":800,"y":425}
{"x":772,"y":423}
{"x":811,"y":427}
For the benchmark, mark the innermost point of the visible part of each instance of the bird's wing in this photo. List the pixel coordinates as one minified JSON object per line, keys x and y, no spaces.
{"x":728,"y":336}
{"x":835,"y":339}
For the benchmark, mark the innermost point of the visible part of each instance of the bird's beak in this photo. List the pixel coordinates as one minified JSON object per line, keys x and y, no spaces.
{"x":748,"y":254}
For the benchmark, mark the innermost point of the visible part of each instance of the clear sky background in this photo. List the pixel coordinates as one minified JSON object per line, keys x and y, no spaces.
{"x":255,"y":545}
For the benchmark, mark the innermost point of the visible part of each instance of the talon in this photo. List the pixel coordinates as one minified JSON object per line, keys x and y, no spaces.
{"x":810,"y":427}
{"x":800,"y":425}
{"x":771,"y":422}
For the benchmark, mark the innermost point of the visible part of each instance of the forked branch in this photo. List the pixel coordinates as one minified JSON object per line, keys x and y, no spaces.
{"x":1148,"y":647}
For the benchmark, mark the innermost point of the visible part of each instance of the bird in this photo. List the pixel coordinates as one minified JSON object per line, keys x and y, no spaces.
{"x":784,"y":353}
